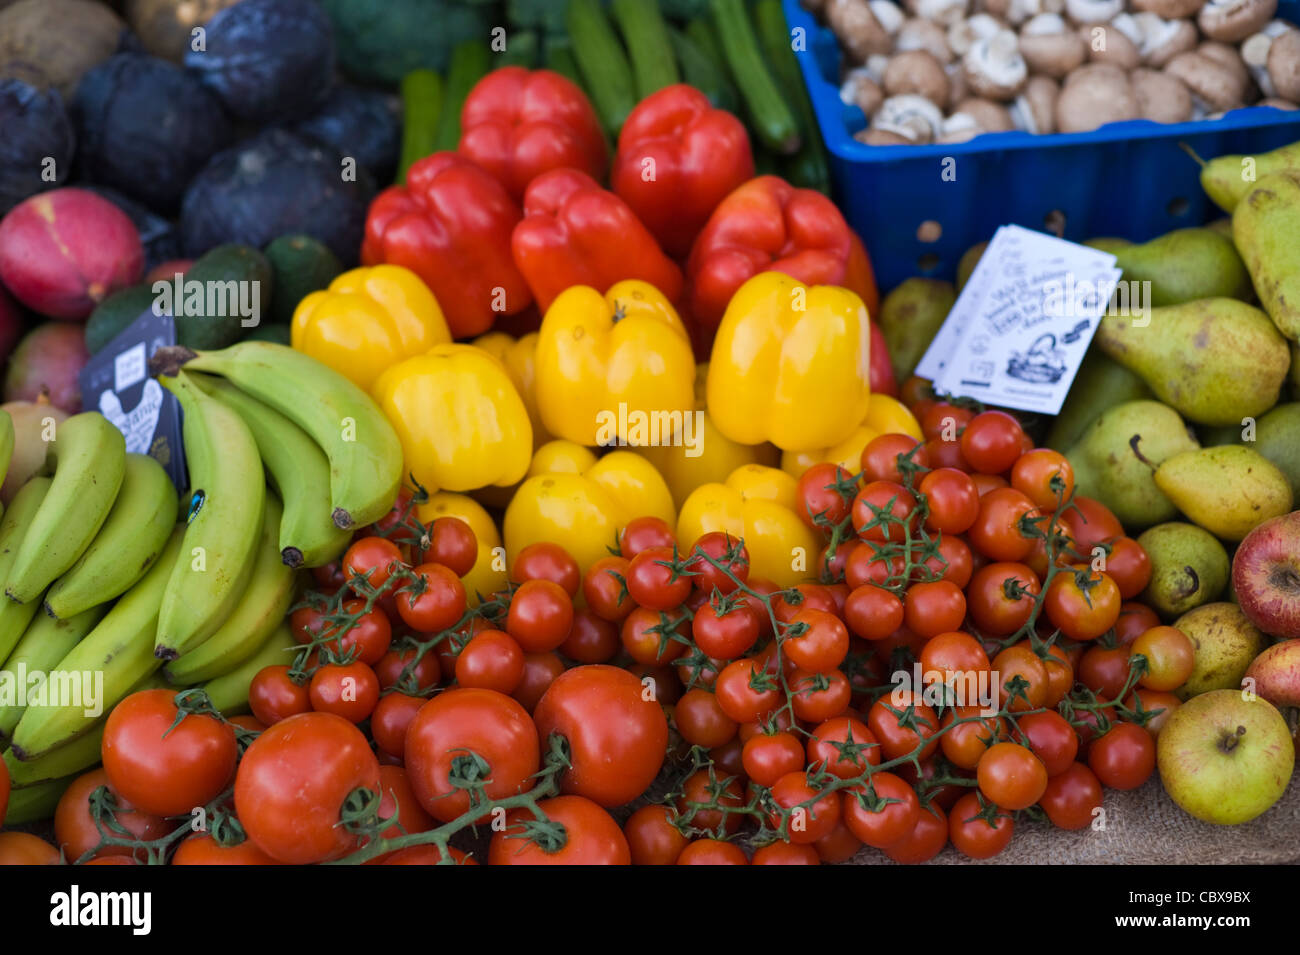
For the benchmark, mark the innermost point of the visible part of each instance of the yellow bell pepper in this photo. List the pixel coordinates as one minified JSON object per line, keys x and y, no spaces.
{"x":461,"y":422}
{"x":885,"y":415}
{"x":368,"y":320}
{"x":710,"y":457}
{"x":584,"y":511}
{"x":758,"y":504}
{"x":790,"y":364}
{"x":519,"y":355}
{"x":614,"y":368}
{"x":562,"y":457}
{"x":488,"y":575}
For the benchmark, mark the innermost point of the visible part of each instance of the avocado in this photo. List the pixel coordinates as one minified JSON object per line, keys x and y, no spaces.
{"x":115,"y":313}
{"x":300,"y":265}
{"x":228,"y":286}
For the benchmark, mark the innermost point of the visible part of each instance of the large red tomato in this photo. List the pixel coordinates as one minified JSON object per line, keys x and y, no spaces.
{"x":586,"y":835}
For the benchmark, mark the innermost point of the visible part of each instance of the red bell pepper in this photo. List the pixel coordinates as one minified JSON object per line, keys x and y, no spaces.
{"x":678,"y":157}
{"x":576,"y":233}
{"x":451,"y":224}
{"x":766,"y":224}
{"x":860,"y":277}
{"x":519,"y":123}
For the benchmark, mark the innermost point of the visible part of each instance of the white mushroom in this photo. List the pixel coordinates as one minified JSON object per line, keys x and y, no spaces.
{"x":1169,"y":9}
{"x":963,"y":35}
{"x":1218,"y":86}
{"x":956,"y":83}
{"x":1233,"y":20}
{"x":1229,"y":58}
{"x":944,"y":12}
{"x":1093,"y":11}
{"x":1161,"y":97}
{"x":1050,"y":47}
{"x":860,"y":90}
{"x":918,"y":34}
{"x":909,"y":114}
{"x":991,"y":117}
{"x":1034,"y":110}
{"x":1016,"y":12}
{"x":917,"y":71}
{"x":876,"y":136}
{"x":1162,"y":39}
{"x":958,"y":128}
{"x":888,"y":14}
{"x":876,"y":65}
{"x":994,"y":68}
{"x":1278,"y":103}
{"x":1254,"y":53}
{"x":1112,"y":42}
{"x":1094,"y":95}
{"x":1284,"y":65}
{"x":857,"y":28}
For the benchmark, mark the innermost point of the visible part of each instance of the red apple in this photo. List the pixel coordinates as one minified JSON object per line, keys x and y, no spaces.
{"x":48,"y":362}
{"x":1276,"y":673}
{"x":1266,"y":575}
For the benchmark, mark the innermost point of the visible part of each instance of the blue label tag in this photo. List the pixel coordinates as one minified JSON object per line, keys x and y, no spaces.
{"x":116,"y":383}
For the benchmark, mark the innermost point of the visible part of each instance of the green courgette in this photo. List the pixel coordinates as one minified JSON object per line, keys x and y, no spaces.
{"x":558,"y":57}
{"x":523,"y":48}
{"x":770,"y":115}
{"x":808,"y":168}
{"x":421,"y":104}
{"x":470,"y":62}
{"x":704,"y":74}
{"x":645,"y":34}
{"x":603,"y":63}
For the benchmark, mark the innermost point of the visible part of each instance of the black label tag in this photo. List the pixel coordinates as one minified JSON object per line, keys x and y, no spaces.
{"x":116,"y":383}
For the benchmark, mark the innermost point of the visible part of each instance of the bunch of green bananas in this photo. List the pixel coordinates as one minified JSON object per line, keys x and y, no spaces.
{"x":135,"y":599}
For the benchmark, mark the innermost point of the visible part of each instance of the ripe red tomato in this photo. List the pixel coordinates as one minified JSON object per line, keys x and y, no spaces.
{"x":872,"y":612}
{"x":701,"y":721}
{"x":843,"y":746}
{"x":202,"y":849}
{"x":1104,"y":671}
{"x":1033,"y":475}
{"x":1129,"y":566}
{"x":816,"y":640}
{"x":1170,"y":657}
{"x":945,"y":454}
{"x":1156,"y":702}
{"x":1124,"y":758}
{"x":439,"y":606}
{"x":1071,"y":797}
{"x":1083,"y":605}
{"x":953,"y":562}
{"x":767,"y":757}
{"x":74,"y":827}
{"x":617,"y":733}
{"x":372,"y":558}
{"x":1090,"y":523}
{"x":811,"y":812}
{"x":863,"y":566}
{"x":23,"y":848}
{"x":725,"y":636}
{"x":540,"y":671}
{"x":973,"y":835}
{"x":349,"y":690}
{"x":653,"y":582}
{"x":652,"y":838}
{"x":1011,"y":776}
{"x":879,"y":459}
{"x":992,"y":442}
{"x":423,"y":675}
{"x":390,"y":719}
{"x":591,"y":639}
{"x":1020,"y":661}
{"x":746,"y":691}
{"x":165,"y":767}
{"x":492,"y":660}
{"x":368,"y":638}
{"x":840,"y":846}
{"x":702,"y":802}
{"x":273,"y":696}
{"x":727,"y":551}
{"x":1134,"y":620}
{"x":996,"y":532}
{"x":605,"y":588}
{"x":933,"y":608}
{"x":399,"y":803}
{"x":648,"y":638}
{"x":644,"y":532}
{"x":952,"y":654}
{"x":712,"y":852}
{"x":547,"y":561}
{"x":887,"y":819}
{"x":943,"y":421}
{"x":925,"y":841}
{"x":587,"y":835}
{"x":460,"y":722}
{"x":1051,"y":738}
{"x":427,"y":855}
{"x":953,"y":500}
{"x":293,"y":781}
{"x":451,"y":543}
{"x":884,"y":511}
{"x":541,"y":614}
{"x":821,"y":505}
{"x":817,"y":697}
{"x":965,"y":743}
{"x":786,"y":853}
{"x":901,"y":725}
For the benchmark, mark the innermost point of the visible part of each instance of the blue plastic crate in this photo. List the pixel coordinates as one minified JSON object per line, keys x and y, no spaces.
{"x":1131,"y":180}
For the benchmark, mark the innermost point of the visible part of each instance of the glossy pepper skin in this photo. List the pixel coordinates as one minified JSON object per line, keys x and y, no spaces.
{"x":461,"y":422}
{"x":758,"y":504}
{"x":451,"y":225}
{"x":518,"y":123}
{"x":368,"y":320}
{"x":519,"y":356}
{"x":764,"y":224}
{"x":885,"y":415}
{"x":790,"y":364}
{"x":678,"y":157}
{"x":583,"y":511}
{"x":608,"y":364}
{"x":576,"y":233}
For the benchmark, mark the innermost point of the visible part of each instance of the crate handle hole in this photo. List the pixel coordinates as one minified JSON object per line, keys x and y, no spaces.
{"x":1054,"y":222}
{"x":928,"y":262}
{"x":929,"y":232}
{"x":1178,"y":207}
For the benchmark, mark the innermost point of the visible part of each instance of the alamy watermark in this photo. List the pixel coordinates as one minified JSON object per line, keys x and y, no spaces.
{"x":1082,"y":297}
{"x":637,"y":428}
{"x":83,"y":689}
{"x":229,"y":299}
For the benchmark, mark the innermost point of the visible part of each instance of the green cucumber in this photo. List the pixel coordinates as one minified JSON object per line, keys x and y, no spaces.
{"x":769,"y":113}
{"x":703,"y":73}
{"x":808,"y":168}
{"x":645,"y":34}
{"x":606,"y":72}
{"x":470,"y":62}
{"x":421,"y":104}
{"x":557,"y":54}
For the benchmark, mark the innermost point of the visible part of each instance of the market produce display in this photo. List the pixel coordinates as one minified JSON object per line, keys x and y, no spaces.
{"x":450,"y":446}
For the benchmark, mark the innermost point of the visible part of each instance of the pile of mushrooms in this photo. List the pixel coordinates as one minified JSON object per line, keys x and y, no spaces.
{"x":944,"y":71}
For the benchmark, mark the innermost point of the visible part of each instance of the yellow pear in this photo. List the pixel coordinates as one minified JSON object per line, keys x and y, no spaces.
{"x":1228,"y":490}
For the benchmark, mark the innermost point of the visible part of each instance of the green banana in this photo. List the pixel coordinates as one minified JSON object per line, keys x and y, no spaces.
{"x":364,"y":453}
{"x":261,"y":609}
{"x":229,"y":692}
{"x":137,"y":527}
{"x":89,"y":457}
{"x":46,"y":642}
{"x":300,"y":472}
{"x":227,"y":482}
{"x":34,"y":803}
{"x":119,"y":652}
{"x":6,"y":443}
{"x":14,"y":618}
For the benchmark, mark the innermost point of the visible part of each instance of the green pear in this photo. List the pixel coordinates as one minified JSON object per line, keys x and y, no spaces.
{"x":1265,"y":227}
{"x":1212,"y":435}
{"x":1295,"y":370}
{"x":1100,"y":384}
{"x":966,"y":264}
{"x":1108,"y":243}
{"x":1228,"y":490}
{"x":1189,"y":567}
{"x":1185,"y":265}
{"x":909,"y":317}
{"x":1277,"y":437}
{"x":1226,"y":643}
{"x":1215,"y":360}
{"x":1114,"y":459}
{"x":1222,"y":225}
{"x":1228,"y":178}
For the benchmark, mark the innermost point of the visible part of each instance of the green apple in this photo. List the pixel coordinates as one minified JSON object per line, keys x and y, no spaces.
{"x":1225,"y":756}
